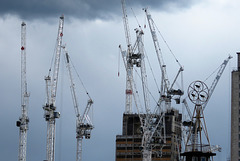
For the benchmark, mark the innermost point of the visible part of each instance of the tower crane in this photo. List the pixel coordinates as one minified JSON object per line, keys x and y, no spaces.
{"x":49,"y":108}
{"x":83,"y":123}
{"x":167,"y":91}
{"x":129,"y":67}
{"x":151,"y":123}
{"x":23,"y":120}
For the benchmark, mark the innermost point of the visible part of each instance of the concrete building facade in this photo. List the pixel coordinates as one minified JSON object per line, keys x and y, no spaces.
{"x":128,"y":145}
{"x":235,"y":113}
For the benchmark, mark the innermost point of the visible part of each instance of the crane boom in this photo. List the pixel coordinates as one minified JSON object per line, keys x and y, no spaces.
{"x":165,"y":82}
{"x":218,"y":76}
{"x":125,"y":22}
{"x":23,"y":120}
{"x":51,"y":89}
{"x":166,"y":89}
{"x":72,"y":87}
{"x":57,"y":61}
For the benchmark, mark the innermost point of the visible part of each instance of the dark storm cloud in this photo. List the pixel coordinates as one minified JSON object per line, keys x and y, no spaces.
{"x":83,"y":9}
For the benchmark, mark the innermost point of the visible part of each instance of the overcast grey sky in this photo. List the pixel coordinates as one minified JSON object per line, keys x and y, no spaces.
{"x":201,"y":35}
{"x":82,"y":9}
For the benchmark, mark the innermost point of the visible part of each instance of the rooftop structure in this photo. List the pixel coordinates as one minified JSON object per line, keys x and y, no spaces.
{"x":128,"y":145}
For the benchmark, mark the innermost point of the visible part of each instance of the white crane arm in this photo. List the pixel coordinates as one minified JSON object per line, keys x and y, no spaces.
{"x":72,"y":85}
{"x":218,"y":76}
{"x":158,"y":52}
{"x":125,"y":22}
{"x":57,"y":61}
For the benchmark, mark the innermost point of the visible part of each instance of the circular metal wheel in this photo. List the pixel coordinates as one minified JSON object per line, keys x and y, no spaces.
{"x":198,"y":92}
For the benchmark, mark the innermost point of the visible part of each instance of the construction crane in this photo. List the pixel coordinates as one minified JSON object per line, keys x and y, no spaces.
{"x":167,"y":91}
{"x":83,"y":123}
{"x":146,"y":118}
{"x":50,"y":114}
{"x":23,"y":120}
{"x":198,"y":93}
{"x":129,"y":67}
{"x":152,"y":123}
{"x":187,"y":125}
{"x":213,"y":86}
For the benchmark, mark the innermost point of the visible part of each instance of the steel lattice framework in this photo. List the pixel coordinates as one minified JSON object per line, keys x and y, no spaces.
{"x":23,"y":120}
{"x":51,"y":89}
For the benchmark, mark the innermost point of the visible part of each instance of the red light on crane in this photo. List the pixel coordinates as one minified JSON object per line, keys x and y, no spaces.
{"x":128,"y":91}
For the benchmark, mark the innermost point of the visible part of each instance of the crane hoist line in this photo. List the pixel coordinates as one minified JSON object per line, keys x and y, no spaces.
{"x":50,"y":113}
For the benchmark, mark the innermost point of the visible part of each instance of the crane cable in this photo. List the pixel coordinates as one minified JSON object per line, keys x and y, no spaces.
{"x":212,"y":73}
{"x":167,"y":45}
{"x":136,"y":19}
{"x":53,"y":56}
{"x":152,"y":71}
{"x":147,"y":87}
{"x":80,"y":79}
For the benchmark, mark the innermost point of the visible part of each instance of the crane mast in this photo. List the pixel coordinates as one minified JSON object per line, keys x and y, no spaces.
{"x":147,"y":150}
{"x":129,"y":67}
{"x":23,"y":120}
{"x":83,"y":123}
{"x":51,"y":89}
{"x":149,"y":126}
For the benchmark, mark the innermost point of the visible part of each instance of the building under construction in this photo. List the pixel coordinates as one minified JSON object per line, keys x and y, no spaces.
{"x":128,"y":145}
